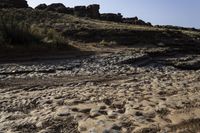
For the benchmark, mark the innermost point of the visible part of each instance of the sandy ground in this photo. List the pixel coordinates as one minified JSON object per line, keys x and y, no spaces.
{"x":118,"y":91}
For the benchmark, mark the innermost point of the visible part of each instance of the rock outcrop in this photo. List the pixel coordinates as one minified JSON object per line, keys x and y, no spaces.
{"x":112,"y":17}
{"x":130,"y":20}
{"x":93,"y":11}
{"x":135,"y":21}
{"x":41,"y":7}
{"x":57,"y":7}
{"x":80,"y":11}
{"x":13,"y":4}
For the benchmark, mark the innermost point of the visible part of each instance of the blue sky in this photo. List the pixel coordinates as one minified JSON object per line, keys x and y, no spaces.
{"x":165,"y":12}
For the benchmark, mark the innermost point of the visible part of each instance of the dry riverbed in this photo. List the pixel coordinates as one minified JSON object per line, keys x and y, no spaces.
{"x":133,"y":90}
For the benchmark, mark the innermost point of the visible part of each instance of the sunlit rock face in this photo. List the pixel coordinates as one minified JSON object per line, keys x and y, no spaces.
{"x":13,"y":4}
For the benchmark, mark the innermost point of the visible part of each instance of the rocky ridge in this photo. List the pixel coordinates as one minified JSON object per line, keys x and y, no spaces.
{"x":91,"y":11}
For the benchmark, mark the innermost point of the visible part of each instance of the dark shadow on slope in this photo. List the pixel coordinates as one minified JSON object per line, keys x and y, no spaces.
{"x":39,"y":52}
{"x":132,"y":37}
{"x":175,"y":57}
{"x":182,"y":51}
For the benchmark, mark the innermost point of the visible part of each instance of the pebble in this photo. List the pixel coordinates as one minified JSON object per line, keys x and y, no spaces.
{"x":102,"y":107}
{"x":92,"y":130}
{"x":63,"y":111}
{"x":81,"y":129}
{"x":94,"y":113}
{"x":118,"y":105}
{"x":112,"y":114}
{"x":138,"y":113}
{"x":100,"y":123}
{"x":116,"y":127}
{"x":86,"y":110}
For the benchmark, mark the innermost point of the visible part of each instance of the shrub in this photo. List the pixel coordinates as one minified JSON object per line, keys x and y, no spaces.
{"x":16,"y":33}
{"x":55,"y":40}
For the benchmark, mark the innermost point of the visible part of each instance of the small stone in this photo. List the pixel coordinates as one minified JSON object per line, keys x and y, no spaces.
{"x":115,"y":127}
{"x":48,"y":101}
{"x":104,"y":112}
{"x":179,"y":105}
{"x":121,"y":91}
{"x":92,"y":130}
{"x":39,"y":124}
{"x":124,"y":130}
{"x":86,"y":110}
{"x":93,"y":99}
{"x":76,"y":101}
{"x":150,"y":114}
{"x":107,"y":101}
{"x":111,"y":131}
{"x":78,"y":116}
{"x":63,"y":114}
{"x":94,"y":113}
{"x":63,"y":111}
{"x":112,"y":114}
{"x":118,"y":105}
{"x":137,"y":113}
{"x":100,"y":122}
{"x":102,"y":107}
{"x":162,"y":92}
{"x":136,"y":106}
{"x":81,"y":129}
{"x":121,"y":111}
{"x":162,"y":109}
{"x":106,"y":131}
{"x":75,"y":109}
{"x":131,"y":89}
{"x":60,"y":102}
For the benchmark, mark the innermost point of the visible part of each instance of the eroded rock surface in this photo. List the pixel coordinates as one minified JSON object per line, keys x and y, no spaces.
{"x":134,"y":90}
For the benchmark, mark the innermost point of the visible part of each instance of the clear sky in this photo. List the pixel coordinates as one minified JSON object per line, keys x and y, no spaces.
{"x":165,"y":12}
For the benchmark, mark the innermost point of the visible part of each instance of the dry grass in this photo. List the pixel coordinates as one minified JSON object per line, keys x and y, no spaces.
{"x":56,"y":28}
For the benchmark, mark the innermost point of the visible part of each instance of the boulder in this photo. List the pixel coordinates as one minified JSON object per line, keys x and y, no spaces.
{"x":135,"y":21}
{"x":111,"y":17}
{"x":50,"y":9}
{"x":140,"y":22}
{"x":148,"y":24}
{"x":80,"y":11}
{"x":93,"y":11}
{"x":69,"y":10}
{"x":58,"y":7}
{"x":130,"y":20}
{"x":13,"y":4}
{"x":41,"y":7}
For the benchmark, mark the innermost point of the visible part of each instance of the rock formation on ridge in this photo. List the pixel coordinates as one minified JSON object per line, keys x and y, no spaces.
{"x":13,"y":4}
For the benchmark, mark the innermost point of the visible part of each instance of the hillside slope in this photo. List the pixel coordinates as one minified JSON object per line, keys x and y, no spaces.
{"x":90,"y":30}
